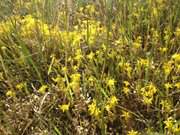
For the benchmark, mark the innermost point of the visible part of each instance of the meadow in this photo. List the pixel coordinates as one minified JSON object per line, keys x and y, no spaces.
{"x":90,"y":67}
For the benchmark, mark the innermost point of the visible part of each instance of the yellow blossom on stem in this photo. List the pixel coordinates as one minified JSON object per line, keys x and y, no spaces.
{"x":10,"y":93}
{"x":147,"y":100}
{"x":21,"y":85}
{"x":78,"y":55}
{"x":177,"y":85}
{"x":93,"y":109}
{"x":168,"y":86}
{"x":64,"y":107}
{"x":75,"y":81}
{"x":176,"y":57}
{"x":90,"y":56}
{"x":126,"y":115}
{"x":163,"y":49}
{"x":126,"y":83}
{"x":167,"y":67}
{"x":43,"y":89}
{"x":169,"y":123}
{"x":132,"y":132}
{"x":137,"y":43}
{"x":112,"y":102}
{"x":111,"y":83}
{"x":166,"y":106}
{"x":126,"y":90}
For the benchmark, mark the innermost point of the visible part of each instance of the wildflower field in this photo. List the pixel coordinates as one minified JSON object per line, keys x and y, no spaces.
{"x":89,"y":67}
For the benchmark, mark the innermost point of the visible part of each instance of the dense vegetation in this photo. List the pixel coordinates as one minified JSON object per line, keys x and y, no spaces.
{"x":89,"y":67}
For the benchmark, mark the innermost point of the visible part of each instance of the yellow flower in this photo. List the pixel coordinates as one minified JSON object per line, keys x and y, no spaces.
{"x":176,"y":129}
{"x":167,"y":67}
{"x":155,"y":12}
{"x":147,"y":93}
{"x":64,"y":107}
{"x":64,"y":69}
{"x":76,"y":77}
{"x":137,"y":43}
{"x":111,"y":83}
{"x":31,"y":25}
{"x":163,"y":49}
{"x":149,"y":90}
{"x":90,"y":9}
{"x":94,"y":110}
{"x":143,"y":62}
{"x":78,"y":56}
{"x":126,"y":83}
{"x":168,"y":86}
{"x":10,"y":93}
{"x":5,"y":27}
{"x":126,"y":115}
{"x":128,"y":69}
{"x":43,"y":89}
{"x":147,"y":100}
{"x":166,"y":106}
{"x":176,"y":57}
{"x":75,"y":81}
{"x":60,"y":82}
{"x":90,"y":56}
{"x":132,"y":132}
{"x":112,"y":102}
{"x":177,"y":85}
{"x":169,"y":123}
{"x":21,"y":85}
{"x":58,"y":79}
{"x":107,"y":107}
{"x":126,"y":90}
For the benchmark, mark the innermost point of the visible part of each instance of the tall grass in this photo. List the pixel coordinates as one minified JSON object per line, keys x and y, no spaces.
{"x":89,"y":67}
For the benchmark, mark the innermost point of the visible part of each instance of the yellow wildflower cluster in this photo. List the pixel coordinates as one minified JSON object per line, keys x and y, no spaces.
{"x":126,"y":88}
{"x":110,"y":51}
{"x":142,"y":63}
{"x":75,"y":81}
{"x":21,"y":86}
{"x":126,"y":68}
{"x":7,"y":26}
{"x":60,"y":82}
{"x":168,"y":67}
{"x":93,"y":109}
{"x":72,"y":38}
{"x":112,"y":102}
{"x":166,"y":106}
{"x":78,"y":55}
{"x":91,"y":30}
{"x":30,"y":25}
{"x":172,"y":126}
{"x":147,"y":93}
{"x":90,"y":56}
{"x":137,"y":43}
